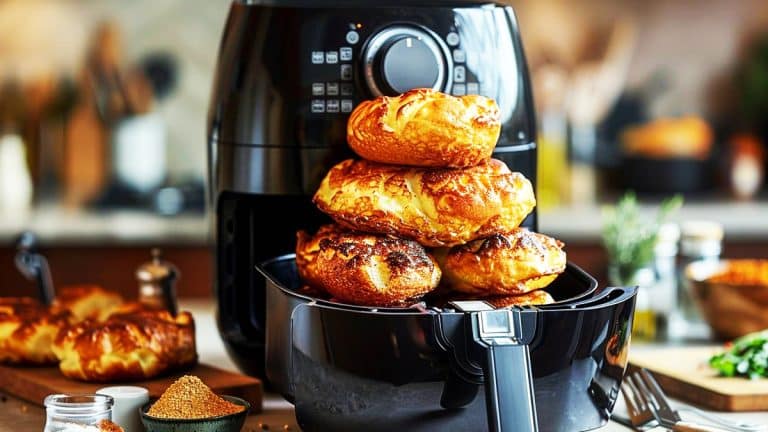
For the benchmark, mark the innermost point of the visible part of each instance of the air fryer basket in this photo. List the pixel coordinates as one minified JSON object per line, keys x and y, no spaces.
{"x":424,"y":368}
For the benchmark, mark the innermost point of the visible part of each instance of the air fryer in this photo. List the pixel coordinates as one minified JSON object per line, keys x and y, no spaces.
{"x":460,"y":367}
{"x":288,"y":75}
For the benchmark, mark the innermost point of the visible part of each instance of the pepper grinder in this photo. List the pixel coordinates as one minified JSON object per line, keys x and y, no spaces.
{"x":157,"y":283}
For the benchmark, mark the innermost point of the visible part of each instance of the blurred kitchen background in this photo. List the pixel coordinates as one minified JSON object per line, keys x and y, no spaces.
{"x":103,"y":105}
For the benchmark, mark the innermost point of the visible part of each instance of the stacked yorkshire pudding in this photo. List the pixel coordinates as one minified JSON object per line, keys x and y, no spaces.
{"x":427,"y":207}
{"x":94,"y":335}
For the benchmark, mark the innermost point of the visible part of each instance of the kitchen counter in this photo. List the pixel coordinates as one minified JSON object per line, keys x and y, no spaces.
{"x":277,"y":413}
{"x":741,"y":220}
{"x":59,"y":225}
{"x":574,"y":224}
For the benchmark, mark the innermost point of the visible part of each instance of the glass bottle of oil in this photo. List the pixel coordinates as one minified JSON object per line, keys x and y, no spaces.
{"x":552,"y":163}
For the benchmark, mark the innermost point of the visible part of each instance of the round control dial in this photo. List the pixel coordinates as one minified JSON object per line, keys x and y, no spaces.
{"x":400,"y":58}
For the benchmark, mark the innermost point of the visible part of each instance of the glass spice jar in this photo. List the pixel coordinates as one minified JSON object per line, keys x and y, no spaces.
{"x":76,"y":413}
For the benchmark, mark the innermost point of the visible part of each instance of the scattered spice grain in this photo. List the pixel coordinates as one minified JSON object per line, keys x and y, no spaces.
{"x":190,"y":398}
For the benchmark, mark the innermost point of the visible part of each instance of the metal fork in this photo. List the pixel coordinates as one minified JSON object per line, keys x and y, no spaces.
{"x":644,"y":397}
{"x":660,"y":397}
{"x":639,"y":412}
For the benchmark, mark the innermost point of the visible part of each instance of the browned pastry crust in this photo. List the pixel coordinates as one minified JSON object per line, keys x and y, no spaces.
{"x":537,"y":297}
{"x":365,"y":269}
{"x":435,"y":207}
{"x":27,"y":330}
{"x":130,"y":346}
{"x":87,"y":301}
{"x":513,"y":263}
{"x":423,"y":127}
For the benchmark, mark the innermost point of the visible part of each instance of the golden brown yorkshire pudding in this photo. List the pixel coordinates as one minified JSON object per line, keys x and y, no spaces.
{"x":365,"y":269}
{"x":87,"y":301}
{"x":131,"y":346}
{"x":27,"y":331}
{"x":435,"y":207}
{"x":508,"y":264}
{"x":423,"y":127}
{"x":537,"y":297}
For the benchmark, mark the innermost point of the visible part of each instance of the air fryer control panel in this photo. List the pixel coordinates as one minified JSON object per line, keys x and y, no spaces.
{"x":356,"y":59}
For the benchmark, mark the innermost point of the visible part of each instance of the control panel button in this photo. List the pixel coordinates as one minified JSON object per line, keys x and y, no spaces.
{"x":459,"y":56}
{"x":345,"y":53}
{"x":352,"y":37}
{"x":331,"y":57}
{"x":346,"y":105}
{"x":318,"y":89}
{"x":318,"y":57}
{"x":459,"y":89}
{"x":473,"y":88}
{"x":332,"y":89}
{"x":452,"y":38}
{"x":318,"y":106}
{"x":332,"y":106}
{"x":459,"y":74}
{"x":346,"y":72}
{"x":347,"y":89}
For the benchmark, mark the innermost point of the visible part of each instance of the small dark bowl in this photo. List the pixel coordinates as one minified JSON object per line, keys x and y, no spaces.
{"x":226,"y":423}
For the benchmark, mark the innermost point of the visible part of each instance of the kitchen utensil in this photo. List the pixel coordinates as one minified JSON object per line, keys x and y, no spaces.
{"x":226,"y":423}
{"x":658,"y":394}
{"x":626,"y":421}
{"x":34,"y":384}
{"x":639,"y":412}
{"x":744,"y":426}
{"x":647,"y":396}
{"x":279,"y":109}
{"x":157,"y":283}
{"x":732,"y":309}
{"x":430,"y":368}
{"x":684,"y":373}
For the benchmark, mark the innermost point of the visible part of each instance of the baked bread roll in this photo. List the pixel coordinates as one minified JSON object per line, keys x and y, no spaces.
{"x":27,"y":331}
{"x":365,"y":269}
{"x":537,"y":297}
{"x":423,"y":127}
{"x":508,"y":264}
{"x":87,"y":301}
{"x":131,"y":346}
{"x":435,"y":207}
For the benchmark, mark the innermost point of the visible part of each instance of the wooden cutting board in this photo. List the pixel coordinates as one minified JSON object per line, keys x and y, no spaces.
{"x":33,"y":384}
{"x":683,"y":373}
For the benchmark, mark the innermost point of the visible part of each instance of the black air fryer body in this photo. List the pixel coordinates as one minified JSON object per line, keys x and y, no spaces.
{"x":288,"y":75}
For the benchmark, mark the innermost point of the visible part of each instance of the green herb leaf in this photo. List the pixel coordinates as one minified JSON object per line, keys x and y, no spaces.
{"x":628,"y":237}
{"x":747,"y":357}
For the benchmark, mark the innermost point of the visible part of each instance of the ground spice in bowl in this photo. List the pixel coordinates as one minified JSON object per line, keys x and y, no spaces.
{"x":190,"y":398}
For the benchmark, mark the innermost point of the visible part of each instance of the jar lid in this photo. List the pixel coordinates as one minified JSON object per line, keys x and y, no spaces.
{"x":157,"y":269}
{"x":76,"y":403}
{"x":702,"y":230}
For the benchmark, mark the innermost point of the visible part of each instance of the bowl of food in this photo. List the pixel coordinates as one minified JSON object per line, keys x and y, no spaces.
{"x":732,"y":295}
{"x":188,"y":405}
